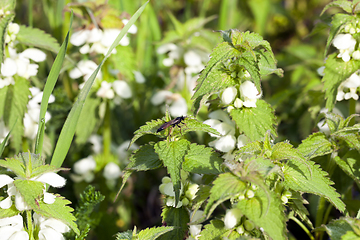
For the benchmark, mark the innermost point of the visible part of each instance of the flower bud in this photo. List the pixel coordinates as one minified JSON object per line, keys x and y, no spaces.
{"x":249,"y":225}
{"x":240,"y":229}
{"x":232,"y":218}
{"x":249,"y":194}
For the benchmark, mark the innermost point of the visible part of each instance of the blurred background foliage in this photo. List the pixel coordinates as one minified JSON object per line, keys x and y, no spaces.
{"x":297,"y":98}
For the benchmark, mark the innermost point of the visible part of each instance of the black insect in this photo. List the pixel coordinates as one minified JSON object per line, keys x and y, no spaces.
{"x":172,"y":123}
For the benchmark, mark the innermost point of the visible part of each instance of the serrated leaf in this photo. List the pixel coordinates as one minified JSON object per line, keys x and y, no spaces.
{"x":267,"y":64}
{"x":350,"y":135}
{"x":350,"y":164}
{"x":336,"y":71}
{"x":296,"y":204}
{"x":88,"y":119}
{"x":192,"y":125}
{"x":272,"y":220}
{"x":315,"y":145}
{"x":15,"y":108}
{"x":344,"y":5}
{"x":255,"y":122}
{"x":149,"y":128}
{"x":145,"y":158}
{"x":297,"y":178}
{"x":128,"y":235}
{"x":4,"y":22}
{"x":225,"y":186}
{"x":14,"y":165}
{"x":252,"y":66}
{"x":344,"y":228}
{"x":214,"y":230}
{"x":35,"y":37}
{"x":154,"y":232}
{"x":178,"y":218}
{"x":201,"y":195}
{"x":12,"y":211}
{"x":58,"y":210}
{"x":172,"y":154}
{"x":202,"y":160}
{"x":252,"y":148}
{"x":30,"y":191}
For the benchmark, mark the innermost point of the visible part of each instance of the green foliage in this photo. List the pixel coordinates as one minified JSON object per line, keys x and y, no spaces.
{"x":255,"y":122}
{"x":346,"y":228}
{"x":178,"y":218}
{"x":144,"y":159}
{"x":153,"y":233}
{"x":315,"y":145}
{"x":4,"y":23}
{"x":215,"y":230}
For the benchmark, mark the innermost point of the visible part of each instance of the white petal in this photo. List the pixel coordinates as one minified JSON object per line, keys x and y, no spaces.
{"x":50,"y":234}
{"x":6,"y":203}
{"x":221,"y":115}
{"x":168,"y":62}
{"x":232,"y":218}
{"x":242,"y":140}
{"x":95,"y":35}
{"x":248,"y":89}
{"x":84,"y":165}
{"x":178,"y":108}
{"x":228,"y":95}
{"x":112,"y":171}
{"x":226,"y":143}
{"x":344,"y":41}
{"x":55,"y":224}
{"x":34,"y":54}
{"x":85,"y":49}
{"x":96,"y":141}
{"x":13,"y":221}
{"x":8,"y":67}
{"x":6,"y":232}
{"x":160,"y":97}
{"x":125,"y":41}
{"x":5,"y":180}
{"x":49,"y":198}
{"x":109,"y":36}
{"x":139,"y":78}
{"x":20,"y":235}
{"x":191,"y":58}
{"x":20,"y":203}
{"x":122,"y":89}
{"x":105,"y":90}
{"x":166,"y":48}
{"x":132,"y":29}
{"x":51,"y":178}
{"x":79,"y":38}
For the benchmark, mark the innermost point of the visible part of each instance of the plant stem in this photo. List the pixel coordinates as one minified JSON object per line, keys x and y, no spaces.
{"x":352,"y":110}
{"x":29,"y":224}
{"x":306,"y":230}
{"x":107,"y":132}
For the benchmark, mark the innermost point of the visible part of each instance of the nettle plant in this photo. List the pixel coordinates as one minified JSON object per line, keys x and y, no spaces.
{"x":252,"y":191}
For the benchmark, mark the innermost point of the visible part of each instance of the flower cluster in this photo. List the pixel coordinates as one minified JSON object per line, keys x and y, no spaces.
{"x":31,"y":117}
{"x":227,"y":142}
{"x":187,"y":193}
{"x":248,"y":96}
{"x":99,"y":41}
{"x":177,"y":104}
{"x":195,"y":229}
{"x":108,"y":90}
{"x":348,"y":88}
{"x":234,"y":218}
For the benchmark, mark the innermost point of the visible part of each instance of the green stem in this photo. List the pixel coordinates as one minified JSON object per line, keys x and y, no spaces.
{"x":29,"y":224}
{"x":30,"y":10}
{"x":352,"y":110}
{"x":107,"y":131}
{"x":306,"y":230}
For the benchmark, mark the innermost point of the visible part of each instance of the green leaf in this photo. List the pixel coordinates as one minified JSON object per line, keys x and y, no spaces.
{"x":350,"y":164}
{"x":128,"y":235}
{"x":35,"y":37}
{"x":10,"y":212}
{"x":172,"y":154}
{"x":124,"y":61}
{"x":49,"y":87}
{"x":145,"y":158}
{"x":336,"y":71}
{"x":15,"y":107}
{"x":350,"y":135}
{"x":14,"y":165}
{"x":345,"y":228}
{"x":58,"y":210}
{"x":6,"y":139}
{"x":153,"y":233}
{"x":88,"y":119}
{"x":267,"y":64}
{"x":30,"y":191}
{"x":149,"y":128}
{"x":254,"y":122}
{"x":271,"y":219}
{"x":296,"y":204}
{"x":298,"y":178}
{"x":4,"y":23}
{"x":315,"y":145}
{"x":68,"y":130}
{"x":214,"y":230}
{"x":226,"y":186}
{"x":344,"y":5}
{"x":202,"y":160}
{"x":178,"y":218}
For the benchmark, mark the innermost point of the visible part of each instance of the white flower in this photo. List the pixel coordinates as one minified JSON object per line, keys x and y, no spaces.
{"x":51,"y":178}
{"x":224,"y":144}
{"x":178,"y":106}
{"x":6,"y":81}
{"x":356,"y":55}
{"x":11,"y":228}
{"x":122,"y":89}
{"x":352,"y":83}
{"x":105,"y":91}
{"x":96,"y":141}
{"x":232,"y":218}
{"x":322,"y":125}
{"x":112,"y":171}
{"x":84,"y":69}
{"x":321,"y":70}
{"x":228,"y":95}
{"x":84,"y":169}
{"x":132,"y":29}
{"x":50,"y":228}
{"x":139,"y":78}
{"x":195,"y":230}
{"x":242,"y":140}
{"x":249,"y":93}
{"x":174,"y":53}
{"x":346,"y":44}
{"x":191,"y":58}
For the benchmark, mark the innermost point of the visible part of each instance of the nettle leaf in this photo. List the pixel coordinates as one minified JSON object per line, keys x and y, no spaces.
{"x":338,"y":22}
{"x":336,"y":71}
{"x":350,"y":164}
{"x":298,"y":178}
{"x":344,"y":5}
{"x":178,"y":218}
{"x":267,"y":64}
{"x":271,"y":219}
{"x":4,"y":22}
{"x":345,"y":228}
{"x":30,"y":190}
{"x":214,"y":230}
{"x":153,"y":233}
{"x":172,"y":154}
{"x":225,"y":186}
{"x":35,"y":37}
{"x":315,"y":145}
{"x":145,"y":158}
{"x":202,"y":160}
{"x":15,"y":107}
{"x":124,"y":61}
{"x":254,"y":122}
{"x":201,"y":196}
{"x":350,"y":135}
{"x":296,"y":204}
{"x":192,"y":125}
{"x":252,"y":148}
{"x":149,"y":128}
{"x":58,"y":210}
{"x":87,"y":120}
{"x":14,"y":165}
{"x":128,"y":235}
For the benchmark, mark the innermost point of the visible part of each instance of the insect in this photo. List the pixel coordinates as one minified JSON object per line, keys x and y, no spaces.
{"x":172,"y":123}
